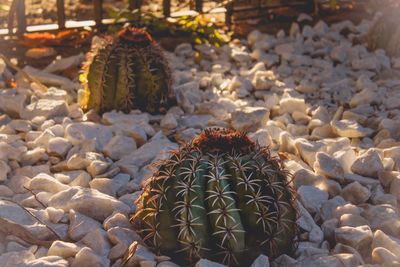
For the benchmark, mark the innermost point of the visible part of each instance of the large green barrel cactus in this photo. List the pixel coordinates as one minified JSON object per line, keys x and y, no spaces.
{"x":126,"y":72}
{"x":220,"y":197}
{"x":385,"y":33}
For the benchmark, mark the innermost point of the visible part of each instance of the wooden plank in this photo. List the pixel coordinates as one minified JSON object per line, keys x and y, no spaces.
{"x":60,"y":14}
{"x":98,"y":11}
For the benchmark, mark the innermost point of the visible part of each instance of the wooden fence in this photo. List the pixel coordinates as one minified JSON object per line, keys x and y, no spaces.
{"x":17,"y":12}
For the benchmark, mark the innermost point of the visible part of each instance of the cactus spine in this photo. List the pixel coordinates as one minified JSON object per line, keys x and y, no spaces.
{"x":126,"y":72}
{"x":220,"y":197}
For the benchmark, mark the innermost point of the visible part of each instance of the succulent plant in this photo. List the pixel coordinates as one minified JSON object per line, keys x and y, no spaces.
{"x":385,"y":33}
{"x":221,"y":197}
{"x":126,"y":72}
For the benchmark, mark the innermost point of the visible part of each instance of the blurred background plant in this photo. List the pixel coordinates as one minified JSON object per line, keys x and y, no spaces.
{"x":199,"y":29}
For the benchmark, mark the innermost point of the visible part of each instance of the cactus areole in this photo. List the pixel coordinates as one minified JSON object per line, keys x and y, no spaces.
{"x":220,"y":197}
{"x":126,"y":72}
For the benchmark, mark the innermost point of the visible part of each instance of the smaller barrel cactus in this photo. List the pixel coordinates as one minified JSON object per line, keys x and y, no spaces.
{"x":126,"y":72}
{"x":220,"y":197}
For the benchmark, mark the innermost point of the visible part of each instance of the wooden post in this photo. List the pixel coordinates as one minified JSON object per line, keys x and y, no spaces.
{"x":135,"y":4}
{"x":167,"y":8}
{"x":199,"y":6}
{"x":60,"y":14}
{"x":21,"y":19}
{"x":98,"y":11}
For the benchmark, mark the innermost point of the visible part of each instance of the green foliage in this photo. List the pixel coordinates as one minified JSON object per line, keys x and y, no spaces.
{"x":220,"y":197}
{"x":198,"y":29}
{"x":126,"y":72}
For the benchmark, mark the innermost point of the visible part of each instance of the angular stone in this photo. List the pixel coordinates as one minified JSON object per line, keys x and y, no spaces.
{"x":46,"y":108}
{"x":312,"y":197}
{"x":249,"y":118}
{"x":119,"y":146}
{"x":79,"y":132}
{"x":63,"y":249}
{"x":45,"y":182}
{"x":381,"y":239}
{"x":87,"y":257}
{"x":357,"y":237}
{"x":261,"y":261}
{"x":356,"y":193}
{"x":328,"y":166}
{"x":87,"y":201}
{"x":58,"y":146}
{"x":368,"y":164}
{"x":80,"y":225}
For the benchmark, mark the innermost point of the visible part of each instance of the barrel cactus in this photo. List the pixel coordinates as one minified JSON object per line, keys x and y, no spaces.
{"x":221,"y":197}
{"x":385,"y":33}
{"x":126,"y":72}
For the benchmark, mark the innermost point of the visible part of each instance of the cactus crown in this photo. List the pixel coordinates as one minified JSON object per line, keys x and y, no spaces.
{"x":220,"y":197}
{"x":126,"y":72}
{"x":135,"y":37}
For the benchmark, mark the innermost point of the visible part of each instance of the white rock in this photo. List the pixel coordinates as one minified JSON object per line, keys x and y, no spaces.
{"x":45,"y":182}
{"x":352,"y":220}
{"x":346,"y":158}
{"x":58,"y":146}
{"x":63,"y":249}
{"x":356,"y":193}
{"x":379,"y":215}
{"x":55,"y":215}
{"x":87,"y":201}
{"x":184,"y":50}
{"x":348,"y":128}
{"x":328,"y":166}
{"x":97,"y":167}
{"x":5,"y":191}
{"x":74,"y":178}
{"x":261,"y":261}
{"x":64,"y":63}
{"x":87,"y":257}
{"x":121,"y":238}
{"x":78,"y":132}
{"x":46,"y":108}
{"x":249,"y":118}
{"x":383,"y":240}
{"x":146,"y":153}
{"x":97,"y":240}
{"x":383,"y":256}
{"x":329,"y":207}
{"x":368,"y":164}
{"x":31,"y":157}
{"x":110,"y":186}
{"x":395,"y":187}
{"x":80,"y":225}
{"x":262,"y":137}
{"x":119,"y":146}
{"x":4,"y":170}
{"x":116,"y":219}
{"x":15,"y":258}
{"x":169,"y":122}
{"x":312,"y":197}
{"x":369,"y":63}
{"x":49,"y":261}
{"x":12,"y":103}
{"x":207,"y":263}
{"x":356,"y":237}
{"x":28,"y":226}
{"x":8,"y":152}
{"x":292,"y":104}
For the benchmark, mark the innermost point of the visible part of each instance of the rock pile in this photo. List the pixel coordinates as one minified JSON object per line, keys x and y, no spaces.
{"x":68,"y":180}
